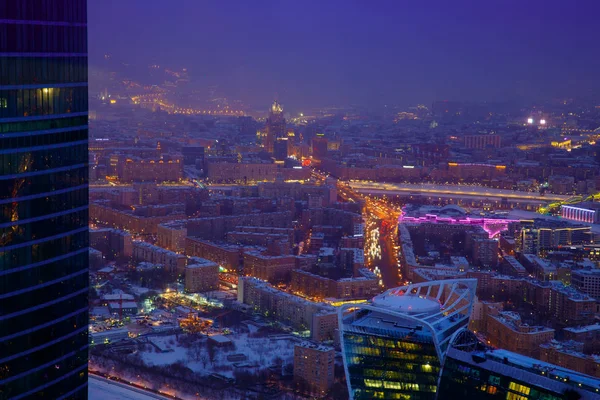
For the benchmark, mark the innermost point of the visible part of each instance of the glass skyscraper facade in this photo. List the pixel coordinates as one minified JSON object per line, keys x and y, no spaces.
{"x":474,"y":371}
{"x":43,"y":199}
{"x":394,"y":346}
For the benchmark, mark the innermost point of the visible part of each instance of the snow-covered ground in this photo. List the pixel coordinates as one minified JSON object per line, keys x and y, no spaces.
{"x":261,"y":353}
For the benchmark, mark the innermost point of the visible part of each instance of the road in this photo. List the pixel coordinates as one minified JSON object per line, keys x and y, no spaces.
{"x":382,"y":216}
{"x":453,"y":190}
{"x":100,"y":388}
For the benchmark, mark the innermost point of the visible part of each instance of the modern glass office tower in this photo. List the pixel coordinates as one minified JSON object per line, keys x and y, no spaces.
{"x":43,"y":199}
{"x":475,"y":371}
{"x":394,"y":346}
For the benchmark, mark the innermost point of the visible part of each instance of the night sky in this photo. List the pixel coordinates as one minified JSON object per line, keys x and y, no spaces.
{"x":342,"y":52}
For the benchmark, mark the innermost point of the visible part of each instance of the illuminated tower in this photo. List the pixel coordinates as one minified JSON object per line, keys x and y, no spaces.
{"x":394,"y":346}
{"x":43,"y":199}
{"x":275,"y":127}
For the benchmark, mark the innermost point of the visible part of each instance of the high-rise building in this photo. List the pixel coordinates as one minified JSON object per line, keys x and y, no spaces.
{"x":275,"y":127}
{"x":394,"y":346}
{"x":43,"y":199}
{"x":280,"y":149}
{"x":319,"y":146}
{"x":314,"y":367}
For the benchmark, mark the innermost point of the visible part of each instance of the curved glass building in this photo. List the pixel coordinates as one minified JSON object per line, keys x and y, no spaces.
{"x":394,"y":346}
{"x":43,"y":199}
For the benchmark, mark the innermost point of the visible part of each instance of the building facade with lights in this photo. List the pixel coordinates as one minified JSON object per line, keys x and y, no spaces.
{"x":583,"y":212}
{"x":314,"y":365}
{"x":475,"y":371}
{"x":394,"y":346}
{"x":43,"y":199}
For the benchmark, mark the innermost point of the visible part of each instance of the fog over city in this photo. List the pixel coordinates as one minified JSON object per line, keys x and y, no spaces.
{"x":338,"y":52}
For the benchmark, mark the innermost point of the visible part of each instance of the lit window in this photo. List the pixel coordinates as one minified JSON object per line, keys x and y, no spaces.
{"x":515,"y":387}
{"x":514,"y":396}
{"x":373,"y":383}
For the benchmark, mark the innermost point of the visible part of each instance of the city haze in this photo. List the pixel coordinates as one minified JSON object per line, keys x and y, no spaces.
{"x":315,"y":54}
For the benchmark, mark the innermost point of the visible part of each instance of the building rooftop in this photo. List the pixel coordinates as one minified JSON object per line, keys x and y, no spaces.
{"x":201,"y":263}
{"x":126,"y":304}
{"x":586,"y":271}
{"x":220,"y":339}
{"x":530,"y":370}
{"x":513,"y":321}
{"x":407,"y":303}
{"x":315,"y":346}
{"x":112,"y":297}
{"x":583,"y":329}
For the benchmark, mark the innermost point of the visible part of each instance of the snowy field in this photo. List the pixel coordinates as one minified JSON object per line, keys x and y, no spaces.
{"x":261,"y":352}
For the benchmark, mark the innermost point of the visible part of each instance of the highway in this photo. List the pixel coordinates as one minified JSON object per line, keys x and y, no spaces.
{"x":453,"y":190}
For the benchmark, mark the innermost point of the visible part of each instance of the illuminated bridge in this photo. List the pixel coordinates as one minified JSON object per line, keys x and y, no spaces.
{"x":452,"y":191}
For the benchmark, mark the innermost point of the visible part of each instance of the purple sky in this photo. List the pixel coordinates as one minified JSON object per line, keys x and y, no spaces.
{"x":372,"y":52}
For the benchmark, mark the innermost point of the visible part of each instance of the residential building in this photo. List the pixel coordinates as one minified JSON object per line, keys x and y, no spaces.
{"x":268,"y":267}
{"x":170,"y":260}
{"x":301,"y":314}
{"x":505,"y":330}
{"x":587,"y":281}
{"x":563,"y":355}
{"x":201,"y":276}
{"x":314,"y":367}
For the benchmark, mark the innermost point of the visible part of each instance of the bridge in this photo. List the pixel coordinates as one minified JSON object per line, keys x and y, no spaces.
{"x":454,"y":191}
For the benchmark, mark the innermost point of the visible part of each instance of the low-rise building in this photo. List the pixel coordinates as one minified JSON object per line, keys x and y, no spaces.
{"x":589,"y":335}
{"x":505,"y":330}
{"x":563,"y":355}
{"x":587,"y":281}
{"x":123,"y":307}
